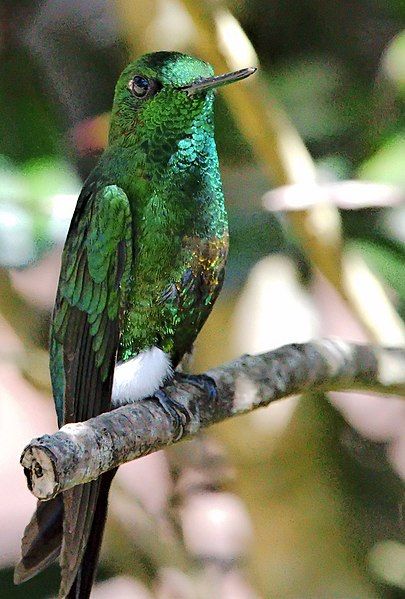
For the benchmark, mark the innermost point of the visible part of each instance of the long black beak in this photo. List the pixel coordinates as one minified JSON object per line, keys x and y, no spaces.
{"x":203,"y":85}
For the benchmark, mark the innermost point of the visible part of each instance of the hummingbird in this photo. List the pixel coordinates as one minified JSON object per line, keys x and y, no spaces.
{"x":142,"y":266}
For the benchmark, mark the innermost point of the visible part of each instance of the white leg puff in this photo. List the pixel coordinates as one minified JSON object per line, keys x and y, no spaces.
{"x":140,"y":376}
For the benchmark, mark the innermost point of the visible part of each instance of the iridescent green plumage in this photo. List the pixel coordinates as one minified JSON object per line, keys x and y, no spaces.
{"x":174,"y":183}
{"x":142,"y":266}
{"x":95,"y":273}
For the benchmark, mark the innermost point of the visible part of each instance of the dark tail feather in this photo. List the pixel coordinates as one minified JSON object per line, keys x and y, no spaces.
{"x":41,"y":544}
{"x":42,"y":540}
{"x":83,"y":582}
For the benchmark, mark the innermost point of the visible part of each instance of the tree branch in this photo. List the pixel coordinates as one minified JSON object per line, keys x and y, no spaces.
{"x":80,"y":452}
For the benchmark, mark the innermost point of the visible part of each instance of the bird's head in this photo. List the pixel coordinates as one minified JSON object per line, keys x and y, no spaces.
{"x":161,"y":95}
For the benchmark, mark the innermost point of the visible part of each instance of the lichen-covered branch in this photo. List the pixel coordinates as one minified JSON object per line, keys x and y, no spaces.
{"x":80,"y":452}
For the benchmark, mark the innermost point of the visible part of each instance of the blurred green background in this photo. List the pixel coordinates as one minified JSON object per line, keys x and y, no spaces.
{"x":304,"y":499}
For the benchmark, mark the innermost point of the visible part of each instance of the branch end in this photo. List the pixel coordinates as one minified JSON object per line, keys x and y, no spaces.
{"x":40,"y":472}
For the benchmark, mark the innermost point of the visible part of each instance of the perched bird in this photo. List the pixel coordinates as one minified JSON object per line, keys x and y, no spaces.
{"x":141,"y":269}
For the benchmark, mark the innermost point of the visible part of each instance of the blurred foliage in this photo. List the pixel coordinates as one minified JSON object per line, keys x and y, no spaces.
{"x":36,"y":204}
{"x":386,"y":165}
{"x":323,"y":499}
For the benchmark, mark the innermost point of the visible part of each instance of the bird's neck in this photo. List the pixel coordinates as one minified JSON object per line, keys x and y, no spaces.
{"x":176,"y":179}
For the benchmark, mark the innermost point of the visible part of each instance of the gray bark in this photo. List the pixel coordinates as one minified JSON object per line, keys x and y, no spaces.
{"x":80,"y":452}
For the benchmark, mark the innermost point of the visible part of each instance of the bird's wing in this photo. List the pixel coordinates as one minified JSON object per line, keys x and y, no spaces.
{"x":95,"y":272}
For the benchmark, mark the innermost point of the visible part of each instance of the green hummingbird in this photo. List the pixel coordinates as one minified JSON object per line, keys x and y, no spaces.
{"x":142,"y":266}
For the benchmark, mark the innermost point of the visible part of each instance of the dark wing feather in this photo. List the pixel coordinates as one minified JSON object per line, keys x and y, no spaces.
{"x":95,"y":271}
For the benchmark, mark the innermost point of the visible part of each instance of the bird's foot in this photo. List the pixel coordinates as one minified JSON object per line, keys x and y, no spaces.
{"x":175,"y":410}
{"x":201,"y":381}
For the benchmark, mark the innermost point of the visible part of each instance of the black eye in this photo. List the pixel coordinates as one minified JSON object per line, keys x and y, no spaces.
{"x":139,"y":86}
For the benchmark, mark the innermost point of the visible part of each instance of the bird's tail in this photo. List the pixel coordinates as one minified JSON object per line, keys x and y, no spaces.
{"x":84,"y":576}
{"x":42,"y":541}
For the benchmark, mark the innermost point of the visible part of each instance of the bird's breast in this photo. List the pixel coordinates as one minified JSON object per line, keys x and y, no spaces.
{"x":168,"y":309}
{"x":205,"y":264}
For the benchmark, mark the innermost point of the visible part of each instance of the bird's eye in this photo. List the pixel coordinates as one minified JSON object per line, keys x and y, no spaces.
{"x":142,"y":87}
{"x":139,"y":86}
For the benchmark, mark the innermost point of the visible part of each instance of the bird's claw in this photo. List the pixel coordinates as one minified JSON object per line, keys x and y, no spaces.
{"x":175,"y":410}
{"x":201,"y":381}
